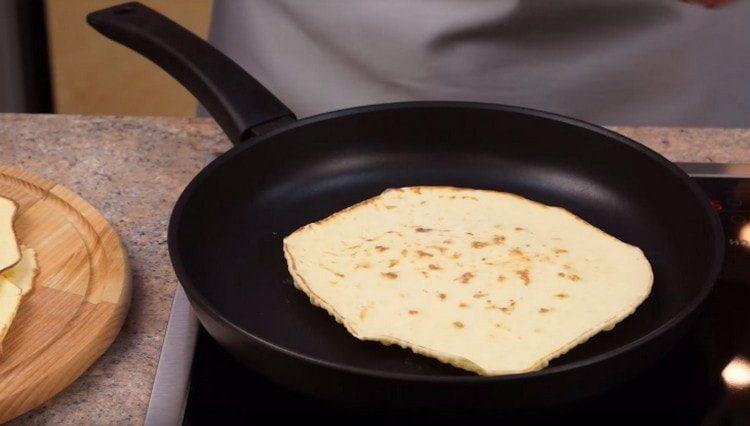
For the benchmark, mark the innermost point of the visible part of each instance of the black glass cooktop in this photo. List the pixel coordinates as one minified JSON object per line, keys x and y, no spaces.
{"x":705,"y":380}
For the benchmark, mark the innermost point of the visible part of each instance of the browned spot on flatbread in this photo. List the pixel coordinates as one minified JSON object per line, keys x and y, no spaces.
{"x":479,"y":295}
{"x":338,"y":274}
{"x":381,"y":248}
{"x":469,"y":197}
{"x":434,"y":267}
{"x":498,"y":239}
{"x":571,"y":277}
{"x":515,"y":251}
{"x":509,"y":308}
{"x":390,"y":207}
{"x":456,"y":255}
{"x":559,"y":251}
{"x":413,"y":312}
{"x":420,"y":229}
{"x":442,"y":296}
{"x":417,"y":190}
{"x":404,"y":252}
{"x":543,"y":310}
{"x":392,"y":263}
{"x":458,"y":324}
{"x":362,"y":312}
{"x":518,"y":228}
{"x":390,"y":275}
{"x":425,"y":274}
{"x":561,"y":295}
{"x":500,"y":278}
{"x":365,"y":265}
{"x":422,"y":253}
{"x":447,"y":241}
{"x":442,"y":250}
{"x":523,"y":274}
{"x":463,"y":305}
{"x":479,"y":244}
{"x":465,"y":277}
{"x":421,"y":203}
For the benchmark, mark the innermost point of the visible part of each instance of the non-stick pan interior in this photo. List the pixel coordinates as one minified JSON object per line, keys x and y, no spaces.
{"x":229,"y":226}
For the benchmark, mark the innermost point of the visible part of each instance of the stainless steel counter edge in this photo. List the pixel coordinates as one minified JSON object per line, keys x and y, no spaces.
{"x":171,"y":385}
{"x":716,"y":170}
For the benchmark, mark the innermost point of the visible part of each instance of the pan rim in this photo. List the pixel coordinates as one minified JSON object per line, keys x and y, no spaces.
{"x":715,"y":227}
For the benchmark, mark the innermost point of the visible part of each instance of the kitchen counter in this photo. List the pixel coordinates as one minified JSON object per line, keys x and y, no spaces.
{"x":133,"y":170}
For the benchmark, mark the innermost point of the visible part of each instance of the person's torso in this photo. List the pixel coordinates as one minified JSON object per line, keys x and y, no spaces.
{"x":659,"y":62}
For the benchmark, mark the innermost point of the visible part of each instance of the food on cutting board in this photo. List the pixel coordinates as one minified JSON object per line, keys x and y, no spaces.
{"x":23,"y":273}
{"x":10,"y":253}
{"x":18,"y":268}
{"x":10,"y":300}
{"x":486,"y":281}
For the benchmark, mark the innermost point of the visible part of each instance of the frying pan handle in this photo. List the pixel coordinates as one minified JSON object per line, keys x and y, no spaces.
{"x":241,"y":105}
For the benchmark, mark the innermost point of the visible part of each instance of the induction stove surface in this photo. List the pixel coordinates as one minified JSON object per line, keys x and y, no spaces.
{"x":704,"y":380}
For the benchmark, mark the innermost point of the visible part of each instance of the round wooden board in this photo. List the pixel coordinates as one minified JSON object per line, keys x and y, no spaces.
{"x":80,"y":298}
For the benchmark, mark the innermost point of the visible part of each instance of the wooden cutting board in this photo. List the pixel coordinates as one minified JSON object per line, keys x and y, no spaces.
{"x":81,"y":295}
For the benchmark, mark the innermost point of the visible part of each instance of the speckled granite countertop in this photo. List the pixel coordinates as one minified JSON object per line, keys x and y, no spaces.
{"x":133,"y":170}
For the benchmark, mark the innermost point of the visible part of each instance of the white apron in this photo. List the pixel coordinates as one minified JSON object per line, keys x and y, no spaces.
{"x":637,"y":62}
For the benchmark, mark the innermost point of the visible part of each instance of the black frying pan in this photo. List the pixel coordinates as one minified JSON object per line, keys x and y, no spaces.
{"x":226,"y":232}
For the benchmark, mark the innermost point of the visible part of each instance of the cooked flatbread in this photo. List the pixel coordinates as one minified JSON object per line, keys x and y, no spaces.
{"x":23,"y":273}
{"x":486,"y":281}
{"x":10,"y":253}
{"x":10,"y":300}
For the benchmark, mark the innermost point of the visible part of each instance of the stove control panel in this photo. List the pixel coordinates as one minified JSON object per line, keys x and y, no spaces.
{"x":730,"y":197}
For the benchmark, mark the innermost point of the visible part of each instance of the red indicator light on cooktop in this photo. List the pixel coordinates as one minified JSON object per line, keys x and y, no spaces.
{"x":716,"y":204}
